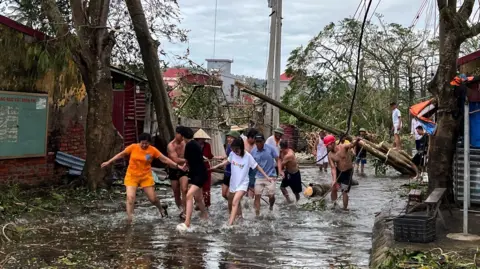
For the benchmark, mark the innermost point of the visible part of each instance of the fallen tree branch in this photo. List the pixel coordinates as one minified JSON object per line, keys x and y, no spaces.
{"x":397,"y":159}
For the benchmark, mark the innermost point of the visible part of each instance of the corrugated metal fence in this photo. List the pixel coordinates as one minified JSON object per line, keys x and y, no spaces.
{"x":474,"y":174}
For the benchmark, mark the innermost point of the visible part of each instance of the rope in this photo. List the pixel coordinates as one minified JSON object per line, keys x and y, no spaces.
{"x":349,"y":121}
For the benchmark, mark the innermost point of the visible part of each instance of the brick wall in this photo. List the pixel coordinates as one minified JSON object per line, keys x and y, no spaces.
{"x":27,"y":171}
{"x":72,"y":140}
{"x":42,"y":170}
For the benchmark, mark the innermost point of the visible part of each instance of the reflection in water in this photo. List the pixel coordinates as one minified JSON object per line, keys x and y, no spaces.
{"x":285,"y":238}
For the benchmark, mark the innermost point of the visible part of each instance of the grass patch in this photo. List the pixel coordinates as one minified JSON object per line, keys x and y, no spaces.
{"x":433,"y":259}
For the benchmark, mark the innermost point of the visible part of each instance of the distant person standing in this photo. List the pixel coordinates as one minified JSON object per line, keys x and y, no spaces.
{"x":360,"y":152}
{"x":320,"y":152}
{"x":420,"y":157}
{"x":414,"y":133}
{"x":397,"y":125}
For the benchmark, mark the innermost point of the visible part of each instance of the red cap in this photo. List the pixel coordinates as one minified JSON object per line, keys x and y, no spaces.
{"x":329,"y":139}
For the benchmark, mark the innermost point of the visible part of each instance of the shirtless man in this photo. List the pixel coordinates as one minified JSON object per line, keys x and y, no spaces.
{"x":178,"y":178}
{"x":291,"y":176}
{"x":340,"y":160}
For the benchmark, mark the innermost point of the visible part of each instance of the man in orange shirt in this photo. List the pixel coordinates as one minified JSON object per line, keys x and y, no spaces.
{"x":139,"y":172}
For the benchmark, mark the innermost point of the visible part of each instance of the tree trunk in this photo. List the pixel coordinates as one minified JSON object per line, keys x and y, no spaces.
{"x":442,"y":144}
{"x":100,"y":134}
{"x":151,"y":62}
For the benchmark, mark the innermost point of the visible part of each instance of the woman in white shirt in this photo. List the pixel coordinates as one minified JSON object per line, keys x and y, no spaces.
{"x":241,"y":162}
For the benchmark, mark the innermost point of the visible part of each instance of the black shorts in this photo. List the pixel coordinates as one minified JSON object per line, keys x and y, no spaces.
{"x":226,"y":180}
{"x":294,"y":181}
{"x":198,"y":180}
{"x":176,"y":174}
{"x":418,"y":159}
{"x":345,"y":178}
{"x":418,"y":145}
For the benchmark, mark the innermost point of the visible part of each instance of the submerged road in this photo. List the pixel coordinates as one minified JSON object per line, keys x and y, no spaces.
{"x":287,"y":237}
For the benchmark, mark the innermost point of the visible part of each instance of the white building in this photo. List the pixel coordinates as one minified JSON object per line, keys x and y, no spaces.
{"x":284,"y":81}
{"x":224,"y":68}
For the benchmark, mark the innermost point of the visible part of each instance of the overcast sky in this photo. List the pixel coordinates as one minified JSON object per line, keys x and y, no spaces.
{"x":243,"y":27}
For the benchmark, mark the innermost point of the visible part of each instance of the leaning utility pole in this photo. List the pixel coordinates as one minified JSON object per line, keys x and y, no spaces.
{"x":278,"y":62}
{"x":270,"y":69}
{"x":272,"y":115}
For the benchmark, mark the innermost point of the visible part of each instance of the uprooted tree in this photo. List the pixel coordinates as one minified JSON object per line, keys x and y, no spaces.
{"x":454,"y":30}
{"x":149,"y":51}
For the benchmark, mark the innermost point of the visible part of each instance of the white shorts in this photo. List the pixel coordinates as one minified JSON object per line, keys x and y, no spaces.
{"x":241,"y":187}
{"x":396,"y":131}
{"x":322,"y":161}
{"x":261,"y":184}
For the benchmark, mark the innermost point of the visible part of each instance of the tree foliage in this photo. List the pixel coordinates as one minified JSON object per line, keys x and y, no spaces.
{"x":323,"y":73}
{"x":163,"y":17}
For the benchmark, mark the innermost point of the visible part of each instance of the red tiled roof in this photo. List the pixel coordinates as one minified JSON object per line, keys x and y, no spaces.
{"x":175,"y":72}
{"x":284,"y":77}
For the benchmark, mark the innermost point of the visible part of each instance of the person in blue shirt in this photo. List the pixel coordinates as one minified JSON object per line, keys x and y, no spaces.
{"x":232,"y":135}
{"x":266,"y":156}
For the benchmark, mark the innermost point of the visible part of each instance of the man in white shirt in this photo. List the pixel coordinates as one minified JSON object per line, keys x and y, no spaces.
{"x":414,"y":133}
{"x":274,"y":141}
{"x":397,"y":125}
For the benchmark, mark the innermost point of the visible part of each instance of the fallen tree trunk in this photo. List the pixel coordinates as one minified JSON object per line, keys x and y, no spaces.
{"x":394,"y":159}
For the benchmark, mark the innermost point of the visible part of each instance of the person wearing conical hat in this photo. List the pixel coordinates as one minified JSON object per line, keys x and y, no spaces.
{"x":240,"y":130}
{"x":201,"y":137}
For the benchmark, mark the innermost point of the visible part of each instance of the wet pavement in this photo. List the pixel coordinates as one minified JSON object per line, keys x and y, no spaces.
{"x":287,"y":237}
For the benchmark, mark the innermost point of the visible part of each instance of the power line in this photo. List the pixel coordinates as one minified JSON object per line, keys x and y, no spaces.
{"x":373,"y":13}
{"x":349,"y":121}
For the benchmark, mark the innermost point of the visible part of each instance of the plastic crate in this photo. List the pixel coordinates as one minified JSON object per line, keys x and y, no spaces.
{"x":412,"y":228}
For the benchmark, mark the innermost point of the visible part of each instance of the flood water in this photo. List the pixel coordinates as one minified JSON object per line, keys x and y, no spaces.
{"x":287,"y":237}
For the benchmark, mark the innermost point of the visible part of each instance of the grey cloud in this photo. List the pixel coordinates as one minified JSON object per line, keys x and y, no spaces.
{"x":243,"y":26}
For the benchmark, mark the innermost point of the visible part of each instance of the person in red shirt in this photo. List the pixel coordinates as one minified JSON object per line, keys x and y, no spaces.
{"x":139,"y":172}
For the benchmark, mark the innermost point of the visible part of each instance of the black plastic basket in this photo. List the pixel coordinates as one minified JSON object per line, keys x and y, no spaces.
{"x":411,"y":228}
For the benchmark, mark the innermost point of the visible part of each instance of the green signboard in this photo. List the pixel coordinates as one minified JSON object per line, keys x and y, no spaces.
{"x":23,"y":124}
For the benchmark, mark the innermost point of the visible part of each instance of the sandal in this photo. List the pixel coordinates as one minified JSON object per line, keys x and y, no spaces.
{"x":164,"y":211}
{"x":182,"y":216}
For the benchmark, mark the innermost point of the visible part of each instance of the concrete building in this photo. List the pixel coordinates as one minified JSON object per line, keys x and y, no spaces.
{"x":224,"y":69}
{"x":284,"y":81}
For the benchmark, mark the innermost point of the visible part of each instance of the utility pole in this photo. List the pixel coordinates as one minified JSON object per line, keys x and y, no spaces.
{"x":278,"y":61}
{"x":270,"y":68}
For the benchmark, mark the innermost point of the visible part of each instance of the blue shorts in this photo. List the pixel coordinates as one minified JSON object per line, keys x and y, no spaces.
{"x":362,"y":160}
{"x":251,"y":178}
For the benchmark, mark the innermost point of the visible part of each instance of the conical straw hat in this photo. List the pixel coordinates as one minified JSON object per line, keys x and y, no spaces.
{"x":201,"y":134}
{"x":236,"y":128}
